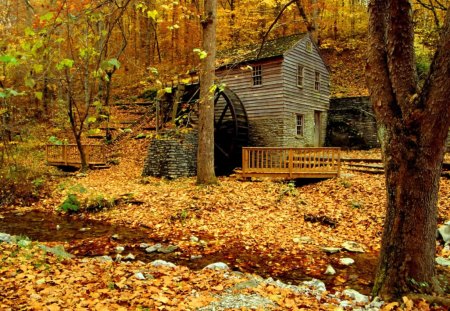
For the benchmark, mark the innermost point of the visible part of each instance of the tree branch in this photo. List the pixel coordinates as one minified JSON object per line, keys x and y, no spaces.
{"x":436,"y":92}
{"x":400,"y":53}
{"x":377,"y":72}
{"x":302,"y":13}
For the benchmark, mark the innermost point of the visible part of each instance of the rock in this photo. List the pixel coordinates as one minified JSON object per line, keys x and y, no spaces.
{"x":346,"y":261}
{"x":168,"y":249}
{"x":203,"y":243}
{"x":353,"y":247}
{"x":35,"y":296}
{"x":331,"y":250}
{"x":5,"y":237}
{"x":347,"y":175}
{"x":80,"y":175}
{"x":330,"y":270}
{"x":351,"y":293}
{"x":303,"y":239}
{"x":153,"y":248}
{"x":194,"y":257}
{"x":444,"y":232}
{"x":344,"y":304}
{"x":130,"y":256}
{"x":104,"y":258}
{"x":443,"y":261}
{"x":144,"y":245}
{"x":229,"y":301}
{"x":217,"y":266}
{"x":139,"y":276}
{"x":447,"y":246}
{"x":316,"y":284}
{"x":252,"y":283}
{"x":115,"y":237}
{"x":84,"y":229}
{"x":194,"y":239}
{"x":162,"y":263}
{"x":376,"y":303}
{"x":119,"y":249}
{"x":57,"y":250}
{"x":118,"y":258}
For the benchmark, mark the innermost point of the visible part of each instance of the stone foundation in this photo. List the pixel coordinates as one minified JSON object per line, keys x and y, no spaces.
{"x":173,"y":155}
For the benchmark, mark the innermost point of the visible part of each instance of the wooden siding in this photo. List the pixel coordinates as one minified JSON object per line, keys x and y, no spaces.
{"x":305,"y":100}
{"x":307,"y":96}
{"x":263,"y":101}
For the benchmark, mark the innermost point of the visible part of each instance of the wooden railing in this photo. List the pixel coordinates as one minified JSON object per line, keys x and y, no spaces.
{"x":291,"y":162}
{"x":69,"y":154}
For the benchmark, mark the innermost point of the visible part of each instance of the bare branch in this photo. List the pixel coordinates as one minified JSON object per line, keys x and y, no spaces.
{"x":302,"y":12}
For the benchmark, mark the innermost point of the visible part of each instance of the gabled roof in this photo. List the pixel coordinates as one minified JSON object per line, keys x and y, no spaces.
{"x":272,"y":48}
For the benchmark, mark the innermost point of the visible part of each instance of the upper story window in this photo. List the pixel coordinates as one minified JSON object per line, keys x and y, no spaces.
{"x":300,"y":75}
{"x":308,"y":46}
{"x":317,"y":81}
{"x":257,"y":75}
{"x":299,"y":124}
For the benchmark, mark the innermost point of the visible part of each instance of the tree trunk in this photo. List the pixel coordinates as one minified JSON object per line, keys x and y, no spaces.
{"x":413,"y":125}
{"x":205,"y":154}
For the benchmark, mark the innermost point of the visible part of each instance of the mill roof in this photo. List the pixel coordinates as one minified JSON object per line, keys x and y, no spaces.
{"x":272,"y":48}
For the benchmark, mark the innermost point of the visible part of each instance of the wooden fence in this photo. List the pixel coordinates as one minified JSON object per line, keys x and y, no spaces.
{"x":69,"y":155}
{"x":291,"y":162}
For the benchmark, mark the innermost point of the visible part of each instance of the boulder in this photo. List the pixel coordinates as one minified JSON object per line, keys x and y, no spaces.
{"x":444,"y":231}
{"x":217,"y":266}
{"x":355,"y":295}
{"x":346,"y":261}
{"x":162,"y":263}
{"x":352,"y":247}
{"x":330,"y":270}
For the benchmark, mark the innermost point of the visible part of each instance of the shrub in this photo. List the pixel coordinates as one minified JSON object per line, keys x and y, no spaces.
{"x":70,"y":205}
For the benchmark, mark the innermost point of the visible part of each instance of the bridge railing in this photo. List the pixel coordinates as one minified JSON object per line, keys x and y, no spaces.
{"x":69,"y":154}
{"x":291,"y":162}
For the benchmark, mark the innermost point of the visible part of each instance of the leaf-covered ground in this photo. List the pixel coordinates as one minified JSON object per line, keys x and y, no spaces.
{"x":270,"y":228}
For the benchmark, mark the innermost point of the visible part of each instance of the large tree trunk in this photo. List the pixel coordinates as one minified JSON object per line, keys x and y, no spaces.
{"x":205,"y":155}
{"x":412,"y":126}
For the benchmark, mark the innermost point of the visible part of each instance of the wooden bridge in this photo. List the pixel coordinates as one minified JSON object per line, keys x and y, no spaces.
{"x":291,"y":163}
{"x":68,"y":155}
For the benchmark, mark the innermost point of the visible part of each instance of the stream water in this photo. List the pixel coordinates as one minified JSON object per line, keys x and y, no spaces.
{"x":95,"y":238}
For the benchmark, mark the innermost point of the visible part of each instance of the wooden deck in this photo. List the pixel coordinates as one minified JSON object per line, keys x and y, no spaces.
{"x":291,"y":163}
{"x":68,"y":155}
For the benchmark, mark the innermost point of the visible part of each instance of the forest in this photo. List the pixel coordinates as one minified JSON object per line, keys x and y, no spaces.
{"x":96,"y":75}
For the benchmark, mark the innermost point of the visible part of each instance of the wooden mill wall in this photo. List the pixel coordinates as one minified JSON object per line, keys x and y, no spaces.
{"x":263,"y":103}
{"x":305,"y":99}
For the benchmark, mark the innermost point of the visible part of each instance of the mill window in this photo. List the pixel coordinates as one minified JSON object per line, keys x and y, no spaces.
{"x":299,"y":124}
{"x":257,"y":75}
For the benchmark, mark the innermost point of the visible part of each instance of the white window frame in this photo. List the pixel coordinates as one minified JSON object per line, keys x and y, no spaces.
{"x":317,"y":77}
{"x":257,"y":75}
{"x":299,"y":124}
{"x":300,"y":75}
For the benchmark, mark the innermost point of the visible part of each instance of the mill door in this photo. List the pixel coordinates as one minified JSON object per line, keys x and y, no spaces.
{"x":317,"y":128}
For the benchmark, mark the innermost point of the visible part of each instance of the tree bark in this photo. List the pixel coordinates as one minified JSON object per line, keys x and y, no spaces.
{"x":412,"y":128}
{"x":205,"y":154}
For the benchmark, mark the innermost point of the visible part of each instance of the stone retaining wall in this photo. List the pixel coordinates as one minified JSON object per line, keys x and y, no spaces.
{"x":351,"y":123}
{"x":172,"y":156}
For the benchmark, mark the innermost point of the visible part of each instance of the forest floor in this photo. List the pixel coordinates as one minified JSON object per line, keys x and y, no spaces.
{"x":261,"y":228}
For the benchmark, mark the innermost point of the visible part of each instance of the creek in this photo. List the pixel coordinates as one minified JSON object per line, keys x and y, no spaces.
{"x":87,"y":238}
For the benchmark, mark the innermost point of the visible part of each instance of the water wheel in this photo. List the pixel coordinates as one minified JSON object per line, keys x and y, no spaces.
{"x":230,"y":130}
{"x":230,"y":126}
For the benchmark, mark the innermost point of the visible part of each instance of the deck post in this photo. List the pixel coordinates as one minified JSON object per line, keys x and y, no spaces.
{"x":244,"y":161}
{"x":65,"y":154}
{"x":291,"y":161}
{"x":339,"y":163}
